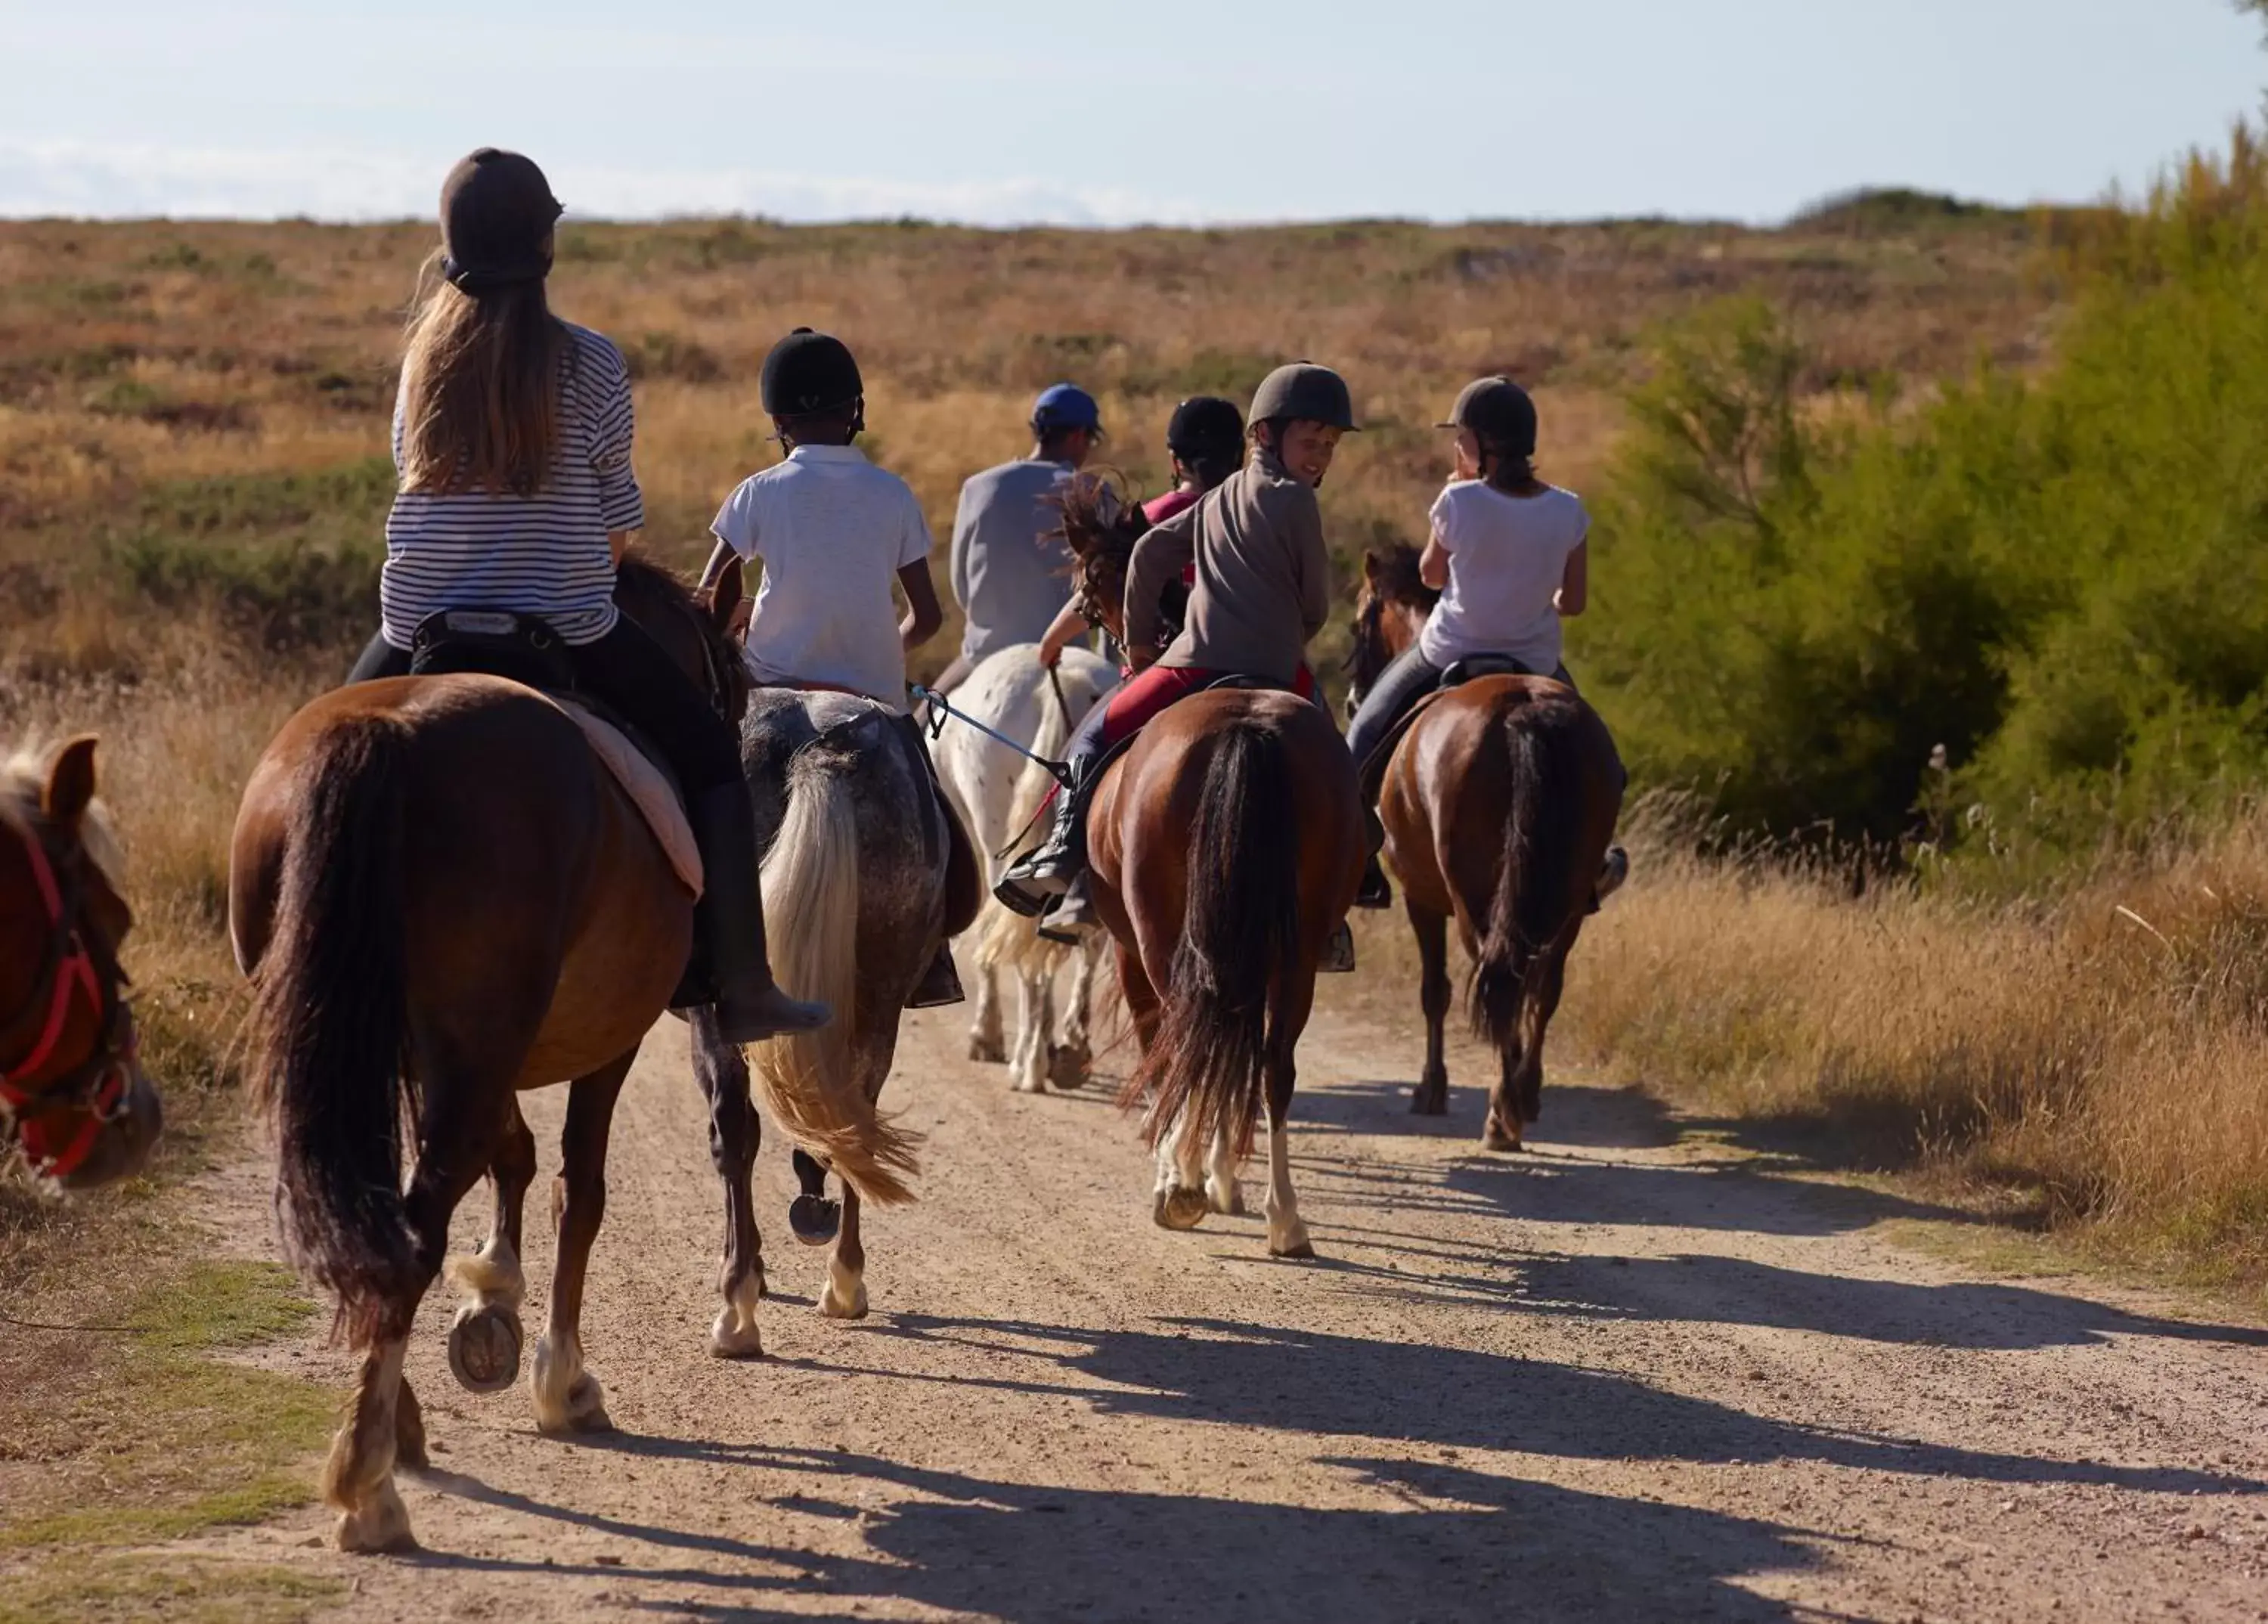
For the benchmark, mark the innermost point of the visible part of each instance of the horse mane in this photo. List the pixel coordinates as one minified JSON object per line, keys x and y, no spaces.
{"x":1100,"y":518}
{"x":644,"y":588}
{"x":1398,"y":581}
{"x":23,"y":787}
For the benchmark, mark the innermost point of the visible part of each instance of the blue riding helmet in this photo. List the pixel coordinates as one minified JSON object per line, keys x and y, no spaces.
{"x":1065,"y":406}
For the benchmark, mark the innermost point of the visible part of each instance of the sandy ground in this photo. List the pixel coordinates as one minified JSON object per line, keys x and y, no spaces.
{"x":1636,"y":1374}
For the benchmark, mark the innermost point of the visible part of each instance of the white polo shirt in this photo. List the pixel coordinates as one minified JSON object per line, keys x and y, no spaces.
{"x":832,"y":531}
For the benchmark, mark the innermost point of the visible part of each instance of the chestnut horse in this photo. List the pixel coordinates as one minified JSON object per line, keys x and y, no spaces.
{"x":1499,"y":799}
{"x":443,"y":897}
{"x":73,"y":1099}
{"x":1226,"y":845}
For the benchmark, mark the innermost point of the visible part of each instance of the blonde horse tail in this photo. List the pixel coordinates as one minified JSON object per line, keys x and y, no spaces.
{"x":806,"y":1084}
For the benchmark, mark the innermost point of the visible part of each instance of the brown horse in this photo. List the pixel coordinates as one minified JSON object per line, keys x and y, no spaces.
{"x":444,"y":898}
{"x":1500,"y":800}
{"x":73,"y":1099}
{"x":1226,"y":845}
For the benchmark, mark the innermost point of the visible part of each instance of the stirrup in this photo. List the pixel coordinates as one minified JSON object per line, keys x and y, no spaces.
{"x":1338,"y":953}
{"x":1026,"y":899}
{"x":1070,"y":918}
{"x":1376,"y":892}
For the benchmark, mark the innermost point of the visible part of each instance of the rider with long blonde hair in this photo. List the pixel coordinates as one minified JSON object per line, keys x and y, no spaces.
{"x":512,"y":438}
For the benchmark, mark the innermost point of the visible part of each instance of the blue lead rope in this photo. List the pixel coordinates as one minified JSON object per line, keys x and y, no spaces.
{"x":940,"y":708}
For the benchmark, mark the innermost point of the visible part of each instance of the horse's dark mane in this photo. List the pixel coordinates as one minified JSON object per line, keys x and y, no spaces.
{"x":1100,"y":524}
{"x":1398,"y":580}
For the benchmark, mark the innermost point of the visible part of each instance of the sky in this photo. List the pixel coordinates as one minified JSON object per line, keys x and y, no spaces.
{"x":1177,"y":111}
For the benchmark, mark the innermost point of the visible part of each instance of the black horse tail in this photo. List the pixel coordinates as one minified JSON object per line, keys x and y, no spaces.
{"x":1239,"y":930}
{"x":1535,"y":886}
{"x":332,"y":1015}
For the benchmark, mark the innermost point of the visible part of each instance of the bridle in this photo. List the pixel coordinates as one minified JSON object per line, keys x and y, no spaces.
{"x":76,"y":965}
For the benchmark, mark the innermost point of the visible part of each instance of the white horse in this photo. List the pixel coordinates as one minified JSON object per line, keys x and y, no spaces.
{"x":998,"y":794}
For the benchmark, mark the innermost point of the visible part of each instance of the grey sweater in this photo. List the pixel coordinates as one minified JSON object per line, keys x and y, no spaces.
{"x":1264,"y":582}
{"x":1010,"y":576}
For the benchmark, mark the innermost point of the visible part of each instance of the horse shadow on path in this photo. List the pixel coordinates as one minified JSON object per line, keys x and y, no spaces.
{"x":1457,"y":1544}
{"x":1454,"y":1542}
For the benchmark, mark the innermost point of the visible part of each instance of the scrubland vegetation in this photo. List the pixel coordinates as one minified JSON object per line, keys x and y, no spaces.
{"x":1900,"y":476}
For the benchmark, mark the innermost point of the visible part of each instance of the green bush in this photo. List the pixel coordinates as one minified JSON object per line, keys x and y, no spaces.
{"x":2063,"y":581}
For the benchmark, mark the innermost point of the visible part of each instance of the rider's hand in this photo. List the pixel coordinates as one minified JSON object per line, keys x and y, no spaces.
{"x":1052,"y":648}
{"x":1141,"y":658}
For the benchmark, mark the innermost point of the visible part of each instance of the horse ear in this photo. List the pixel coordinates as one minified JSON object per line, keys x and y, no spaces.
{"x":69,"y":788}
{"x":724,"y":595}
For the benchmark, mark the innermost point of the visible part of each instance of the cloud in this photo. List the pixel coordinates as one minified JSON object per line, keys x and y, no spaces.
{"x":126,"y":181}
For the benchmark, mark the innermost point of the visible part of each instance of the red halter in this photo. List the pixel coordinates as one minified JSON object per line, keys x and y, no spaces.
{"x":97,"y":1085}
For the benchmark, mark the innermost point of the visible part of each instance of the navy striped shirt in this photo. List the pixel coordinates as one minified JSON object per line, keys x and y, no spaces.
{"x":544,"y":555}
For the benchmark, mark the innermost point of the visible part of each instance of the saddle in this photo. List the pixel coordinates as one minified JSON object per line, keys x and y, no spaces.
{"x":523,"y":649}
{"x":1370,"y":773}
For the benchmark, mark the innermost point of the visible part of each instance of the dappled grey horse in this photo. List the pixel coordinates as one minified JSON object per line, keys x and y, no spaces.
{"x":856,"y":845}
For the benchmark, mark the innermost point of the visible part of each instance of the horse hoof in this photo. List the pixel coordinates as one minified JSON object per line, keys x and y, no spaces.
{"x":1301,"y":1250}
{"x":1497,"y":1138}
{"x":1226,"y":1198}
{"x":484,"y":1343}
{"x":838,"y":1304}
{"x":378,"y":1525}
{"x":814,"y":1219}
{"x":585,"y":1412}
{"x":1425,"y":1101}
{"x":1180,"y":1208}
{"x":988,"y":1051}
{"x":733,"y":1338}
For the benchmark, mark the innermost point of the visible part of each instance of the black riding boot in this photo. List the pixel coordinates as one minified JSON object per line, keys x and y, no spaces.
{"x":1048,"y":870}
{"x":728,"y":923}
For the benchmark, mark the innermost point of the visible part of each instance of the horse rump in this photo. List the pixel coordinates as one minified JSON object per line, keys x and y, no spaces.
{"x":1240,"y":926}
{"x":330,"y":1016}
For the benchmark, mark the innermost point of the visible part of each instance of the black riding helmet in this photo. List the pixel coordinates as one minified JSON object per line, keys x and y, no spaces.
{"x":1499,"y":412}
{"x":809,"y":373}
{"x":497,"y":216}
{"x":1205,"y":425}
{"x":1304,"y":391}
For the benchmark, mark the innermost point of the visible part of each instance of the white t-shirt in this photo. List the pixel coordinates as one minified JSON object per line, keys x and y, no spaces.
{"x":833,"y":530}
{"x":1507,"y":557}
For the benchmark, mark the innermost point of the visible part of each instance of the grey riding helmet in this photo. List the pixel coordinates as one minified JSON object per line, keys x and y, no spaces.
{"x":1499,"y":412}
{"x":1303,"y":391}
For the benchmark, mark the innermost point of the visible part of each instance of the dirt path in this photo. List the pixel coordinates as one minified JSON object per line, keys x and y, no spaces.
{"x":1632,"y":1376}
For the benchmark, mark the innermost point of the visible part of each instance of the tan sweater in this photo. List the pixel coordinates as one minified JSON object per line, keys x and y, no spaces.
{"x":1263,"y":576}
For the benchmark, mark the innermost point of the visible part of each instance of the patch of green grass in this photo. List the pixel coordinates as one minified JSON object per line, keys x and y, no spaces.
{"x":155,"y":1438}
{"x":144,"y":1589}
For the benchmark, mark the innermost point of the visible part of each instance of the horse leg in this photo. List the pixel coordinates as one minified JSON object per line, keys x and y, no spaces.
{"x":1287,"y":1232}
{"x":568,"y":1397}
{"x":986,"y":1044}
{"x":1221,"y":1193}
{"x":844,"y":1296}
{"x":1545,"y":979}
{"x":734,"y":1134}
{"x":485,"y":1337}
{"x":455,"y":1143}
{"x":1431,"y":1097}
{"x":1035,"y":1014}
{"x":1178,"y":1200}
{"x":814,"y":1218}
{"x":1070,"y":1052}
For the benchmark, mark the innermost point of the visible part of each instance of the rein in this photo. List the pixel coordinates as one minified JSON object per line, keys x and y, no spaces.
{"x":940,"y":708}
{"x":68,"y":971}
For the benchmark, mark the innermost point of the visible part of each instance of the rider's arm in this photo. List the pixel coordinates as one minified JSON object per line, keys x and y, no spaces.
{"x":723,"y":556}
{"x":964,"y":533}
{"x":1575,"y":582}
{"x":1164,"y":551}
{"x":923,"y":616}
{"x":1433,"y":563}
{"x":1306,"y":538}
{"x":1067,"y":624}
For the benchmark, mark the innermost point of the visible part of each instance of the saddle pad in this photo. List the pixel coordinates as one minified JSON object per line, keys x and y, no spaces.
{"x":648,"y":787}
